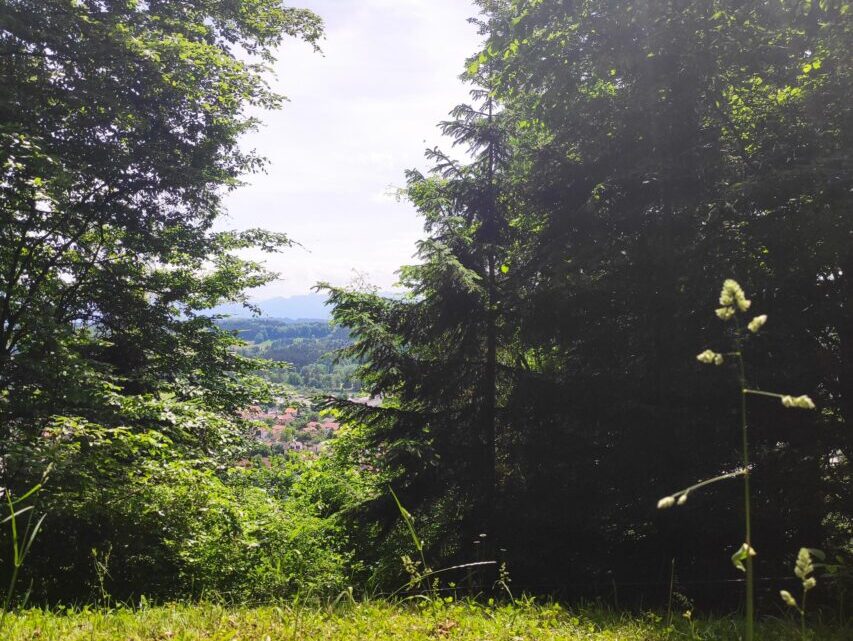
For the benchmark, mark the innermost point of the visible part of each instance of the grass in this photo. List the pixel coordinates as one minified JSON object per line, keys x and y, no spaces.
{"x":380,"y":621}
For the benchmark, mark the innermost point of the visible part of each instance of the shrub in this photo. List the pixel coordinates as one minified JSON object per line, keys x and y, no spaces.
{"x":172,"y":522}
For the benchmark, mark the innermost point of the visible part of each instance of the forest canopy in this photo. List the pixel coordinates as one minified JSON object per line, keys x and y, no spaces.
{"x":625,"y":159}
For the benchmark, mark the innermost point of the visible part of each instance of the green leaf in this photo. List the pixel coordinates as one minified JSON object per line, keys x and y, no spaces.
{"x":504,"y":269}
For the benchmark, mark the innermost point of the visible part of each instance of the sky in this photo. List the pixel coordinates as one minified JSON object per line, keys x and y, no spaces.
{"x":359,"y":114}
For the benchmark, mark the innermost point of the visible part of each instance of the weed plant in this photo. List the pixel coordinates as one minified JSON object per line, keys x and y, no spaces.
{"x":21,"y":541}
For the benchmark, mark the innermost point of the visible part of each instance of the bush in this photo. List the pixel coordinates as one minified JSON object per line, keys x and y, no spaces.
{"x":130,"y":513}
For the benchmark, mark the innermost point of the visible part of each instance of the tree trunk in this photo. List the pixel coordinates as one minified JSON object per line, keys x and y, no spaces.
{"x":845,"y":332}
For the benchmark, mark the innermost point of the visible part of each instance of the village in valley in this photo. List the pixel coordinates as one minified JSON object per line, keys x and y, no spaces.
{"x":301,"y":364}
{"x":293,"y":425}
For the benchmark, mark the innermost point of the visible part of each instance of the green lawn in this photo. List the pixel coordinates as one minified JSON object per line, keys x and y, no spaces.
{"x":377,"y":621}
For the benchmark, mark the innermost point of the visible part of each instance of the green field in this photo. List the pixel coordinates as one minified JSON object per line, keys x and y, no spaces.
{"x":380,"y":621}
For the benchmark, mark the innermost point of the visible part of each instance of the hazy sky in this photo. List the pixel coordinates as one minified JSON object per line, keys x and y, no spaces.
{"x":359,"y":114}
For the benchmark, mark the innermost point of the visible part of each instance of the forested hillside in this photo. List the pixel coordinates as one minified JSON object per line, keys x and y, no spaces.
{"x":302,"y":353}
{"x":621,"y":368}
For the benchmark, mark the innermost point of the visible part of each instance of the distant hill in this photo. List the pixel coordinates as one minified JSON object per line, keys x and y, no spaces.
{"x":307,"y":346}
{"x":296,"y":308}
{"x":302,"y":307}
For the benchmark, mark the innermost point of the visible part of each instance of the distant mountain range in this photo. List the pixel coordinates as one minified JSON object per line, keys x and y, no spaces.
{"x":297,"y":308}
{"x":301,"y":307}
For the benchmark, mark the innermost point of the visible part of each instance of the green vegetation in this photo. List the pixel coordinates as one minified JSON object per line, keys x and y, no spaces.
{"x":541,"y":385}
{"x":119,"y":125}
{"x":463,"y":621}
{"x":306,"y":347}
{"x":733,"y":301}
{"x":531,"y":396}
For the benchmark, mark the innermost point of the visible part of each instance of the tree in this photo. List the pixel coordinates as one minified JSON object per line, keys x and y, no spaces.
{"x":647,"y":151}
{"x":672,"y":145}
{"x":119,"y":130}
{"x":120,"y":124}
{"x":435,"y":357}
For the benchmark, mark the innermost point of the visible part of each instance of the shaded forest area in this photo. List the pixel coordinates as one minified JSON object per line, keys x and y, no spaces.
{"x":539,"y":383}
{"x":627,"y":158}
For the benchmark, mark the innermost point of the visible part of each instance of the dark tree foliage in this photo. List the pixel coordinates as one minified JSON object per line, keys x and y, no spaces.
{"x":435,"y":356}
{"x":647,"y":151}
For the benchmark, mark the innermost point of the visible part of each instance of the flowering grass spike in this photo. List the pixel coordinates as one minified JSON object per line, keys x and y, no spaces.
{"x":732,"y":301}
{"x":802,"y":402}
{"x":802,"y":570}
{"x":757,"y":323}
{"x":666,"y":502}
{"x":708,"y":357}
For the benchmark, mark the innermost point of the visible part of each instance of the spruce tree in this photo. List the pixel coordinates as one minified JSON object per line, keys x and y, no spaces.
{"x":434,"y":357}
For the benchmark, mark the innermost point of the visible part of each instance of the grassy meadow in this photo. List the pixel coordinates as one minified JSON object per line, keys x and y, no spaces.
{"x":380,"y":621}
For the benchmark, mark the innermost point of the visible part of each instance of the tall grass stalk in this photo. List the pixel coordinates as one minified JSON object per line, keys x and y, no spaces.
{"x":21,"y":541}
{"x":418,"y":577}
{"x":747,"y":498}
{"x":732,"y":302}
{"x":410,"y":525}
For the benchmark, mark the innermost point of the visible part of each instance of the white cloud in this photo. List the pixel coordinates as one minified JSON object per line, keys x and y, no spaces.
{"x":359,"y":115}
